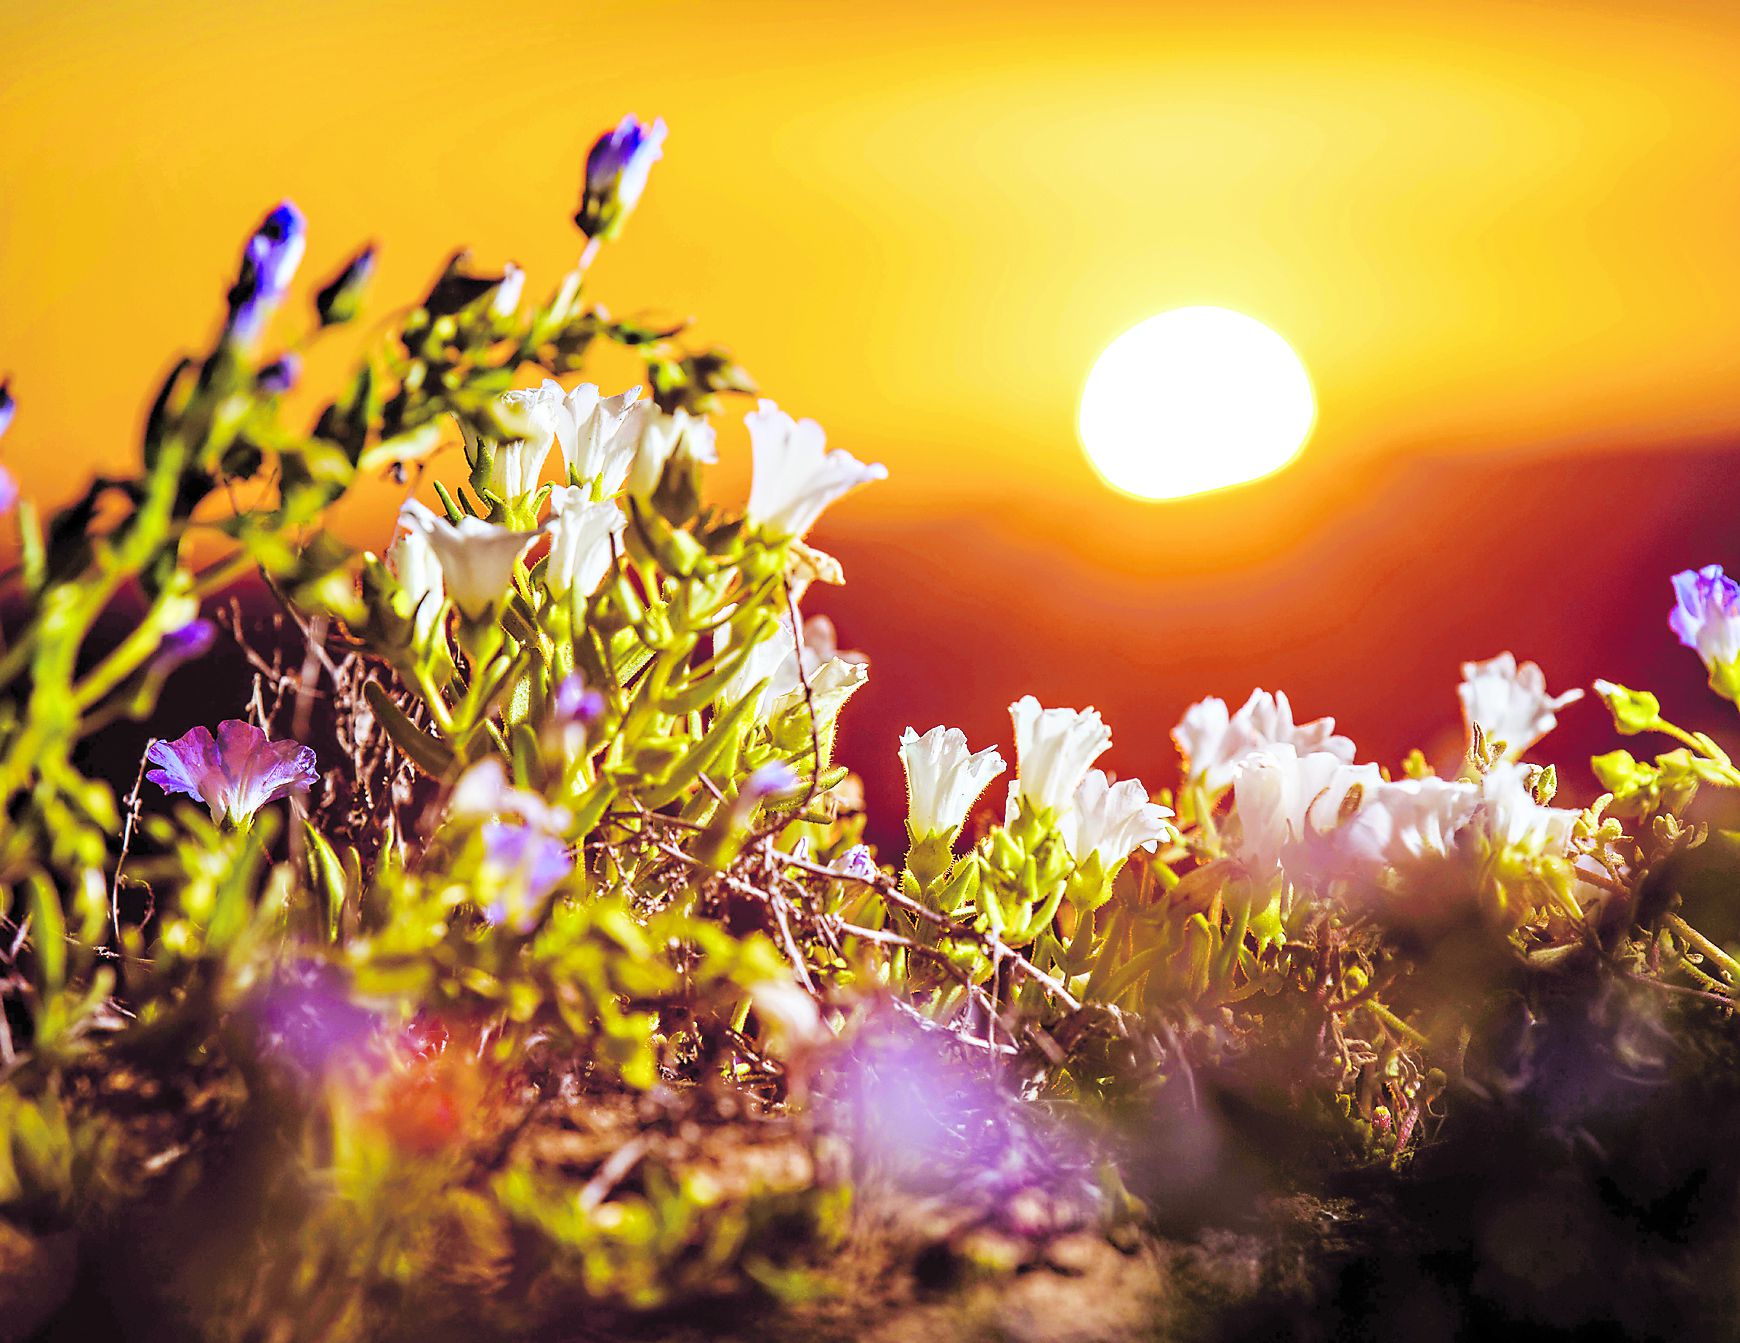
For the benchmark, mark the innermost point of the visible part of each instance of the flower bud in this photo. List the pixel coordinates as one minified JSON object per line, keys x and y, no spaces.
{"x":8,"y":406}
{"x":341,"y":300}
{"x":616,"y":174}
{"x":269,"y":263}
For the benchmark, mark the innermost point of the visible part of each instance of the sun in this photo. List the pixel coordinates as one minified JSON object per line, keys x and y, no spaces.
{"x":1193,"y":400}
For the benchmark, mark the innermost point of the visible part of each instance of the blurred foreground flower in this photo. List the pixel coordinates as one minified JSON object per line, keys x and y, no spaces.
{"x":527,"y":864}
{"x":236,"y":773}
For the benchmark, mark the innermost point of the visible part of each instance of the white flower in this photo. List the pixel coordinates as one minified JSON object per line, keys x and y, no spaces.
{"x":1285,"y":798}
{"x":788,"y":1014}
{"x":477,"y":557}
{"x":944,"y":777}
{"x":763,"y":661}
{"x":516,"y":466}
{"x":1214,"y":743}
{"x":1508,"y":816}
{"x":582,"y":537}
{"x":831,"y":685}
{"x":1111,"y":820}
{"x":1408,"y":821}
{"x":418,"y":570}
{"x":597,"y":434}
{"x":795,"y":476}
{"x":680,"y":435}
{"x":1510,"y":702}
{"x":505,"y":302}
{"x":1053,"y":750}
{"x":484,"y":793}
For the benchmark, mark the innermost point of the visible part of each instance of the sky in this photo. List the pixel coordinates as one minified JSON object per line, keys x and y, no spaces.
{"x":1500,"y":236}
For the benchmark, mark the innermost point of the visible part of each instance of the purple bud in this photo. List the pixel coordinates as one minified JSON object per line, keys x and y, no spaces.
{"x":8,"y":491}
{"x":8,"y":407}
{"x":279,"y":376}
{"x":269,"y":262}
{"x":616,"y":175}
{"x":192,"y":640}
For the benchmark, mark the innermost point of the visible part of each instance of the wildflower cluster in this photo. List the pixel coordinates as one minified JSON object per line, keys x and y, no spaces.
{"x":567,"y":824}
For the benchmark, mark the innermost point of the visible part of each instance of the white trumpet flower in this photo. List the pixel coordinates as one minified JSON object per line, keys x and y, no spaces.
{"x":597,"y":434}
{"x":418,"y":569}
{"x":1053,"y":750}
{"x":583,"y":536}
{"x":1283,"y":797}
{"x":1510,"y":702}
{"x":1112,"y":820}
{"x":477,"y":557}
{"x":1215,"y":743}
{"x":944,"y":777}
{"x":680,"y":436}
{"x":795,"y":475}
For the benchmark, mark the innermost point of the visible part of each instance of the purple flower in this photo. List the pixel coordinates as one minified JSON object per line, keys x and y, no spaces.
{"x":8,"y":491}
{"x":8,"y":407}
{"x":1706,"y":614}
{"x":527,"y":861}
{"x":279,"y":376}
{"x":237,"y":773}
{"x":269,"y":262}
{"x":776,"y":777}
{"x":574,"y":705}
{"x":616,"y":173}
{"x":307,"y":1016}
{"x":192,"y":640}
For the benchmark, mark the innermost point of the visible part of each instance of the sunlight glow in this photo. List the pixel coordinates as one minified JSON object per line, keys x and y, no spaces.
{"x":1193,"y":400}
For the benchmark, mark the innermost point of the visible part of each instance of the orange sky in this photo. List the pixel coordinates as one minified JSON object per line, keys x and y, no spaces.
{"x":1494,"y":229}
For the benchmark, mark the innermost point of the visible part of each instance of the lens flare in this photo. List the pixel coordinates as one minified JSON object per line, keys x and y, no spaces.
{"x":1193,"y":400}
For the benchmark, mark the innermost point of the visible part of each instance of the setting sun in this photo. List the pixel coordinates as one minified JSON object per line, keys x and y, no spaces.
{"x":1194,"y":400}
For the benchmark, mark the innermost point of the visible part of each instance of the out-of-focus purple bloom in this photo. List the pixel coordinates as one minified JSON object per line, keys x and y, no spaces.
{"x":616,"y":173}
{"x":236,"y":773}
{"x":527,"y":862}
{"x":192,"y":640}
{"x":857,"y":863}
{"x":772,"y":778}
{"x":306,"y":1016}
{"x":269,"y":262}
{"x":8,"y":491}
{"x":1706,"y":614}
{"x":8,"y":407}
{"x":574,"y":704}
{"x":279,"y":376}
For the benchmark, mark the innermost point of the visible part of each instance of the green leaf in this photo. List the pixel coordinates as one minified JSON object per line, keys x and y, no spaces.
{"x":429,"y":755}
